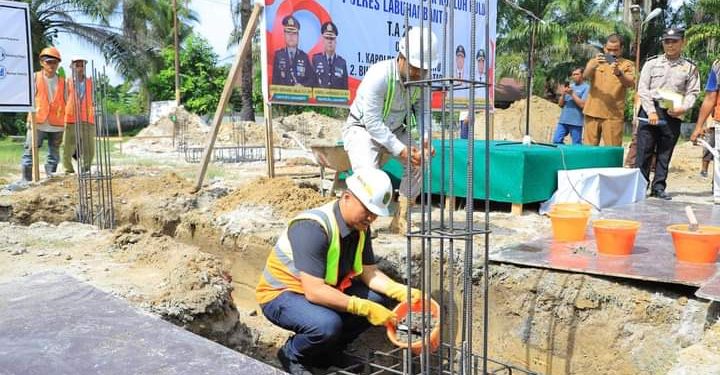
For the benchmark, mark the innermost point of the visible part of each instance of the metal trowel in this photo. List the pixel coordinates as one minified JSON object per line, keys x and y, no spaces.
{"x":693,"y":226}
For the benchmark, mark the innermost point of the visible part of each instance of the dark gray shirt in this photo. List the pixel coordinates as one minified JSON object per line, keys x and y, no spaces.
{"x":310,"y":246}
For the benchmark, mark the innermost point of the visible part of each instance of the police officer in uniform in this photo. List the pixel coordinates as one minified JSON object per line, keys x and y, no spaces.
{"x":330,"y":69}
{"x":480,"y":57}
{"x":460,"y":62}
{"x":659,"y":127}
{"x":291,"y":66}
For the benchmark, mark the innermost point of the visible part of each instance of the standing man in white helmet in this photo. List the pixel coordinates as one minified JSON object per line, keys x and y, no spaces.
{"x":321,"y":281}
{"x":379,"y":126}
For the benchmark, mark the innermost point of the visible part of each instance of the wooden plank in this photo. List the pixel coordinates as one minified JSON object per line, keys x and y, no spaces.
{"x":517,"y":209}
{"x":269,"y":148}
{"x":235,"y":72}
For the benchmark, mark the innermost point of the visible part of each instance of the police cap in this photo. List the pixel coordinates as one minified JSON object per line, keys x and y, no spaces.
{"x":480,"y":54}
{"x":329,"y":30}
{"x":291,"y":24}
{"x":460,"y":50}
{"x":673,"y":33}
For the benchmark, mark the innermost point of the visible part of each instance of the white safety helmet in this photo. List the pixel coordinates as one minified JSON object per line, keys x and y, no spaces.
{"x":429,"y":44}
{"x":373,"y":188}
{"x":77,"y":58}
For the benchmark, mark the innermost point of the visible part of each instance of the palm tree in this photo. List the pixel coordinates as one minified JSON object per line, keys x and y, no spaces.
{"x":49,"y":18}
{"x":241,"y":10}
{"x":569,"y":35}
{"x":147,"y":25}
{"x":702,"y":37}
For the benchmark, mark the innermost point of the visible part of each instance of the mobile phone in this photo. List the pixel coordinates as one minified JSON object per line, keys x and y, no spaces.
{"x":610,"y":58}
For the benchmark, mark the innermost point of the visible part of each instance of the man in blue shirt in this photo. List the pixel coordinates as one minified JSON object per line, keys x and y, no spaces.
{"x":572,"y":102}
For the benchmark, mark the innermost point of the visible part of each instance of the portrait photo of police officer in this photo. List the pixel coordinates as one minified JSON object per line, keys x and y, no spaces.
{"x":291,"y":66}
{"x":460,"y":61}
{"x":480,"y":61}
{"x":330,"y":69}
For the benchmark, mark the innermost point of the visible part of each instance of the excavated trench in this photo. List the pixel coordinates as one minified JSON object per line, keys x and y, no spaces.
{"x":547,"y":321}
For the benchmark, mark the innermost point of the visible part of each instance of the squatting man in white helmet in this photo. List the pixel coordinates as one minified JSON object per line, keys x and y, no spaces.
{"x":321,"y":281}
{"x":378,"y":124}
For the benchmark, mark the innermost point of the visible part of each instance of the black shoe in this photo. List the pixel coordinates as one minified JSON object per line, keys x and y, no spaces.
{"x":661,"y":194}
{"x":291,"y":366}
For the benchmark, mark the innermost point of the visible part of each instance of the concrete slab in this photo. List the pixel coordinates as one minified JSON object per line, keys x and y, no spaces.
{"x":653,"y":257}
{"x":54,"y":324}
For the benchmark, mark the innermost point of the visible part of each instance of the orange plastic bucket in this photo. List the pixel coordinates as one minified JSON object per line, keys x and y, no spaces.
{"x":571,"y":206}
{"x":569,"y":225}
{"x":615,"y":237}
{"x":401,"y":310}
{"x":695,"y":247}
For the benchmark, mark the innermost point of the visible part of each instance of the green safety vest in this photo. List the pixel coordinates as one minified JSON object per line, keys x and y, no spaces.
{"x":390,"y":96}
{"x":325,"y":216}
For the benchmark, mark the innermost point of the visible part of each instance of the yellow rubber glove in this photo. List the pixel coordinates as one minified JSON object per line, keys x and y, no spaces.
{"x":375,"y":313}
{"x":398,"y":292}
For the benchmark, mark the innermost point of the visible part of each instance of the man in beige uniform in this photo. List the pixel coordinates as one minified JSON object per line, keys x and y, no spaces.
{"x":610,"y":76}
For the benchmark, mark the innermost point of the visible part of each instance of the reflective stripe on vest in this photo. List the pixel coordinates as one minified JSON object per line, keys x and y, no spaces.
{"x":325,"y":216}
{"x":390,"y":96}
{"x":87,"y":112}
{"x":50,"y":112}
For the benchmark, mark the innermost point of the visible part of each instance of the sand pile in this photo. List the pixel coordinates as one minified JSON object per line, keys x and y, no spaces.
{"x":510,"y":123}
{"x":311,"y":128}
{"x":158,"y":136}
{"x":282,"y":194}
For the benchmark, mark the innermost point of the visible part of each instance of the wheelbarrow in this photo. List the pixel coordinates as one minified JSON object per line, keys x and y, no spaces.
{"x":335,"y":158}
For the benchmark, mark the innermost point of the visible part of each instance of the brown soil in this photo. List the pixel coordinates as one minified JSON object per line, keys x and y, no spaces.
{"x":175,"y":254}
{"x":285,"y":197}
{"x":509,"y":124}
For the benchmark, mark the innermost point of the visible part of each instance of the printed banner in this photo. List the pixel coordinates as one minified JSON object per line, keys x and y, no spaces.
{"x":316,"y":52}
{"x":16,"y":78}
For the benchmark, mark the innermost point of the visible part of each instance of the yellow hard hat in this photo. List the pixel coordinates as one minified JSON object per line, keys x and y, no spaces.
{"x":51,"y":52}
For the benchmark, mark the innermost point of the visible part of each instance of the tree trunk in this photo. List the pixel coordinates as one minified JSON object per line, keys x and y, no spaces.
{"x":247,"y":109}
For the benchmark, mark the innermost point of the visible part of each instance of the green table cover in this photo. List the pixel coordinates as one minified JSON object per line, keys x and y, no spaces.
{"x":518,"y":173}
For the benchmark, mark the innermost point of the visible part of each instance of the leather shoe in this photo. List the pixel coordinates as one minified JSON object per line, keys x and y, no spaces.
{"x":292,"y":366}
{"x":661,"y":194}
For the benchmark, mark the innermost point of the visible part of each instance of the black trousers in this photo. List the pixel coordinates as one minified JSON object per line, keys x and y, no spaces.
{"x":660,"y":139}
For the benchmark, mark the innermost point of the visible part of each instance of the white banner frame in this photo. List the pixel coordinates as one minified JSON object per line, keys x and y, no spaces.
{"x":16,"y":62}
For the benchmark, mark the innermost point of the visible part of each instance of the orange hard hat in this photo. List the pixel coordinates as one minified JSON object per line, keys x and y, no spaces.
{"x":50,"y":51}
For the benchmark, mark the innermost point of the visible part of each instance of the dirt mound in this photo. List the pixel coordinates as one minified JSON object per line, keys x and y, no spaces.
{"x":52,"y":201}
{"x":510,"y":123}
{"x":158,"y":136}
{"x":188,"y":282}
{"x":248,"y":133}
{"x":282,"y":194}
{"x":312,"y":128}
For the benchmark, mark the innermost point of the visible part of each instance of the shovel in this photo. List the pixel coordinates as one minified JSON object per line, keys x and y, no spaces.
{"x":693,"y":226}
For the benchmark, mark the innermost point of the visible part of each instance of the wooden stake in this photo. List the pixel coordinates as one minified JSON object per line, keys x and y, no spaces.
{"x":33,"y":140}
{"x":235,"y":72}
{"x":269,"y":148}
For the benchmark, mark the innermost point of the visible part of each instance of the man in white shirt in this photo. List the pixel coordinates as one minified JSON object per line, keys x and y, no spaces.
{"x":380,"y":122}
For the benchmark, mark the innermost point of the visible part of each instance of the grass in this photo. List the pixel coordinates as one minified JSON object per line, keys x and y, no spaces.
{"x":10,"y":154}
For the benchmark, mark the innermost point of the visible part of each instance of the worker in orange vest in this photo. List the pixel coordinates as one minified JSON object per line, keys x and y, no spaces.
{"x":79,"y":140}
{"x":49,"y":115}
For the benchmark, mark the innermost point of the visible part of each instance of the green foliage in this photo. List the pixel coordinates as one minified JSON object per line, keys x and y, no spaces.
{"x":568,"y":37}
{"x":201,"y":79}
{"x":12,"y":123}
